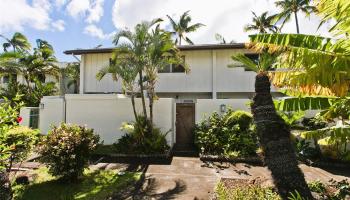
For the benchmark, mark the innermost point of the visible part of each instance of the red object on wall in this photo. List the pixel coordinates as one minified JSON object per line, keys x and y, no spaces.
{"x":19,"y":119}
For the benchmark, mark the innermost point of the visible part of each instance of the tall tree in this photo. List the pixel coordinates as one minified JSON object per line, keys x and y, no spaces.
{"x":263,"y":23}
{"x":161,"y":52}
{"x":292,"y":7}
{"x":123,"y":68}
{"x":135,"y":49}
{"x":31,"y":65}
{"x":274,"y":134}
{"x":18,"y":42}
{"x":183,"y":27}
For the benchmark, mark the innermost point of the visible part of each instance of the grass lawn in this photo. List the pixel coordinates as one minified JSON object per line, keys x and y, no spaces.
{"x":94,"y":185}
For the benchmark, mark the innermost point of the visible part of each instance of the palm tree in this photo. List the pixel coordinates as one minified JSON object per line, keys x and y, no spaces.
{"x":262,"y":23}
{"x":183,"y":27}
{"x":290,"y":7}
{"x":72,"y":71}
{"x":161,"y":52}
{"x":135,"y":50}
{"x":222,"y":40}
{"x":18,"y":42}
{"x":31,"y":66}
{"x":274,"y":134}
{"x":122,"y":69}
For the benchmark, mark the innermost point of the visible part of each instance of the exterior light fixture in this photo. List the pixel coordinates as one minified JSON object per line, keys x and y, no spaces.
{"x":41,"y":106}
{"x":222,"y":108}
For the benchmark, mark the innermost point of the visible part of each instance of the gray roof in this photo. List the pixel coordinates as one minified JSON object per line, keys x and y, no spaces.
{"x":181,"y":47}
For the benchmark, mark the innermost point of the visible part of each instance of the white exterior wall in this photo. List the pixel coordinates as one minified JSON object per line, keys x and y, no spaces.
{"x":25,"y":114}
{"x":105,"y":114}
{"x":205,"y":107}
{"x":91,"y":65}
{"x":51,"y":112}
{"x":208,"y":74}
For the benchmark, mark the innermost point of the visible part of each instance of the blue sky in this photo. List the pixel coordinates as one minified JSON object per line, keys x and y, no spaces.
{"x":71,"y":24}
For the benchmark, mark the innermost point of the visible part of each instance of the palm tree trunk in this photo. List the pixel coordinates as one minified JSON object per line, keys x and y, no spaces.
{"x":279,"y":155}
{"x":133,"y":105}
{"x":142,"y":95}
{"x":296,"y":21}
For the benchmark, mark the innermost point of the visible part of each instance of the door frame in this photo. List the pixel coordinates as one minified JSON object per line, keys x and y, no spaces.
{"x":179,"y":104}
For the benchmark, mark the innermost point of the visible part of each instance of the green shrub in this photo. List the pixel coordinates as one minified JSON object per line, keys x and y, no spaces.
{"x":21,"y":141}
{"x":251,"y":192}
{"x":231,"y":134}
{"x":139,"y":140}
{"x":66,"y":150}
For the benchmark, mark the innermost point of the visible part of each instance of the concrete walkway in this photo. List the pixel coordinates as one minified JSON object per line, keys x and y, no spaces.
{"x":189,"y":178}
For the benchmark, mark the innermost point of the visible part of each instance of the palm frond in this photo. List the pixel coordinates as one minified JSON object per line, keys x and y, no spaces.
{"x":303,"y":103}
{"x":251,"y":65}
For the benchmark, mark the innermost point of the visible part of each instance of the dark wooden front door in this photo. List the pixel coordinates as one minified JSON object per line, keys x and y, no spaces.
{"x":185,"y":121}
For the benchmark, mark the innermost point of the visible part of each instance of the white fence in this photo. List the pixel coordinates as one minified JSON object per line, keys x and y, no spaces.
{"x":103,"y":113}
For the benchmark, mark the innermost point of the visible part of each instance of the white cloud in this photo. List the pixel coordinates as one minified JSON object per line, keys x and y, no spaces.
{"x":226,"y":17}
{"x":78,"y":8}
{"x":95,"y":31}
{"x":58,"y":25}
{"x":60,"y":3}
{"x":92,"y":10}
{"x":15,"y":14}
{"x":95,"y":11}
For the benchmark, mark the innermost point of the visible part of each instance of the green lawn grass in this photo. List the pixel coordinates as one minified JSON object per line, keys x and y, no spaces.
{"x":94,"y":185}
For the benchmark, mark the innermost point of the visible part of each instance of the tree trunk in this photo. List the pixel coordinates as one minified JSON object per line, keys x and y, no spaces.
{"x":274,"y":135}
{"x":133,"y":106}
{"x":142,"y":95}
{"x":151,"y":101}
{"x":296,"y":21}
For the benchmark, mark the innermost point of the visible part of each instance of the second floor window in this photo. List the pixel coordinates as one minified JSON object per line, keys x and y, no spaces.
{"x":171,"y":68}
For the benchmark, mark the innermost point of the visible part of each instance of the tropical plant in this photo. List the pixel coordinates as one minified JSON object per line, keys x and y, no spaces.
{"x":66,"y":150}
{"x":135,"y":142}
{"x":263,"y":23}
{"x":18,"y":42}
{"x":72,"y":71}
{"x":222,"y":40}
{"x":122,"y":68}
{"x":182,"y":28}
{"x":134,"y":50}
{"x":310,"y":65}
{"x":39,"y":90}
{"x":303,"y":103}
{"x":15,"y":143}
{"x":228,"y":135}
{"x":31,"y":66}
{"x":273,"y":133}
{"x":290,"y":7}
{"x":160,"y":52}
{"x":20,"y":140}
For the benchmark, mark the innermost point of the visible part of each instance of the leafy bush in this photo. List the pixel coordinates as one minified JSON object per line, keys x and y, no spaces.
{"x":33,"y":98}
{"x":66,"y":150}
{"x":20,"y":140}
{"x":231,"y":134}
{"x":15,"y":142}
{"x":250,"y":192}
{"x":139,"y":140}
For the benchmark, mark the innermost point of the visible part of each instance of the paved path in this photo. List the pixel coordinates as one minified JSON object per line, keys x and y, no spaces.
{"x":189,"y":178}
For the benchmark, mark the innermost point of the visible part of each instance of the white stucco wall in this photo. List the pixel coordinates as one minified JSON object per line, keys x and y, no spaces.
{"x":208,"y":73}
{"x":204,"y":107}
{"x":105,"y":114}
{"x":51,"y":112}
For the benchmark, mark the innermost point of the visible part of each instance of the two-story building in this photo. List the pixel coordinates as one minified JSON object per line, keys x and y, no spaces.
{"x":185,"y":98}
